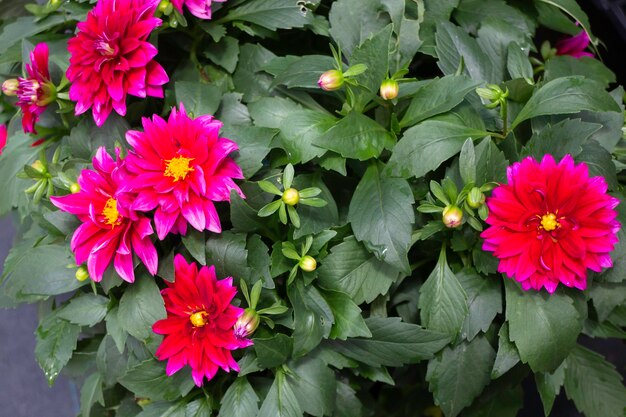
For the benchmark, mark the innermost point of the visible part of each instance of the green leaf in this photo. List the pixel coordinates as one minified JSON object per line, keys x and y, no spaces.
{"x":314,"y":386}
{"x":449,"y":373}
{"x":56,"y":340}
{"x":350,"y":268}
{"x":313,"y":318}
{"x":566,"y":95}
{"x":356,"y":136}
{"x":455,"y":46}
{"x":467,"y":162}
{"x":443,"y":302}
{"x":593,"y":384}
{"x":110,"y":362}
{"x":518,"y":63}
{"x":382,"y":216}
{"x":273,"y":351}
{"x":86,"y":137}
{"x":85,"y":310}
{"x":431,"y":13}
{"x":224,"y":53}
{"x":471,"y":13}
{"x":347,"y":403}
{"x":565,"y":137}
{"x":303,"y":72}
{"x":115,"y":330}
{"x":599,"y":162}
{"x":348,"y":319}
{"x":54,"y":266}
{"x":148,"y":379}
{"x":259,"y":260}
{"x":552,"y":318}
{"x":270,"y":14}
{"x":280,"y":400}
{"x":606,"y":297}
{"x":90,"y":393}
{"x":227,"y":252}
{"x":352,"y":21}
{"x":198,"y":98}
{"x":549,"y":386}
{"x":254,"y":145}
{"x":240,"y":400}
{"x":571,"y":8}
{"x":507,"y":356}
{"x":374,"y":54}
{"x":427,"y":145}
{"x":198,"y":408}
{"x":438,"y":96}
{"x":16,"y":154}
{"x":314,"y":220}
{"x":563,"y":66}
{"x":484,"y":301}
{"x":24,"y":27}
{"x":393,"y":343}
{"x":140,"y":307}
{"x":491,"y":164}
{"x":195,"y":244}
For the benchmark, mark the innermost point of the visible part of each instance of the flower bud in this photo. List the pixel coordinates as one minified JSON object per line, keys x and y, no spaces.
{"x":291,"y":196}
{"x":165,"y":7}
{"x":9,"y":87}
{"x":74,"y":188}
{"x":389,"y":89}
{"x":247,"y":323}
{"x":308,"y":263}
{"x":331,"y":80}
{"x":475,"y":198}
{"x":38,"y":166}
{"x":82,"y":273}
{"x":452,"y":216}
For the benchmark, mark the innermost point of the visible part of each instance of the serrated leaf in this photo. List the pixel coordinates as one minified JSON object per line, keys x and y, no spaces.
{"x":438,"y":96}
{"x":271,"y":14}
{"x":313,"y":219}
{"x":199,"y":99}
{"x":348,"y":319}
{"x":565,"y":137}
{"x":533,"y":316}
{"x":115,"y":330}
{"x":393,"y":343}
{"x":227,"y":252}
{"x":56,"y":340}
{"x":148,"y":379}
{"x":280,"y":400}
{"x":382,"y":216}
{"x":273,"y":351}
{"x":254,"y":145}
{"x":85,"y":310}
{"x":314,"y":385}
{"x":484,"y":301}
{"x":140,"y":307}
{"x":352,"y":21}
{"x":566,"y":95}
{"x":443,"y":301}
{"x":350,"y":268}
{"x":240,"y":400}
{"x":374,"y":54}
{"x":518,"y":63}
{"x":599,"y":162}
{"x":507,"y":356}
{"x":593,"y":384}
{"x":549,"y":386}
{"x":565,"y":65}
{"x":448,"y":374}
{"x":90,"y":393}
{"x":427,"y":145}
{"x":313,"y":318}
{"x":195,"y":244}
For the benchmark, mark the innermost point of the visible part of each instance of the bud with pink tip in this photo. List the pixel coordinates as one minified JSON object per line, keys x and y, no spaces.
{"x":389,"y":89}
{"x":452,"y":216}
{"x":331,"y":80}
{"x":9,"y":87}
{"x":247,"y":323}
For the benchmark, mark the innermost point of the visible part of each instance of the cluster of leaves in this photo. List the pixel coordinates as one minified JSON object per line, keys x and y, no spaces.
{"x":395,"y":304}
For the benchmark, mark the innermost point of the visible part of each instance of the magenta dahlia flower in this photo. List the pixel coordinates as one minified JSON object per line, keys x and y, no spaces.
{"x":199,"y":328}
{"x":111,"y":230}
{"x":574,"y":45}
{"x":551,"y":223}
{"x":180,"y":167}
{"x":3,"y":137}
{"x":37,"y":91}
{"x":111,"y":57}
{"x":199,"y":8}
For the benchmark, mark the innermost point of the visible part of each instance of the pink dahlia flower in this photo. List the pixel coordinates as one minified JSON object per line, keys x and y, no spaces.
{"x":180,"y":167}
{"x":37,"y":91}
{"x":551,"y":223}
{"x":199,"y":328}
{"x":3,"y":137}
{"x":199,"y":8}
{"x":574,"y":45}
{"x":111,"y":57}
{"x":111,"y":230}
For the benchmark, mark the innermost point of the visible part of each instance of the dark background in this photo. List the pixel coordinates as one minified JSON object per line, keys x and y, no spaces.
{"x":24,"y":391}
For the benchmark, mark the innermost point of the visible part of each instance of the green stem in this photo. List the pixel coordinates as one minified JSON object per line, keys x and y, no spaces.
{"x":504,"y":112}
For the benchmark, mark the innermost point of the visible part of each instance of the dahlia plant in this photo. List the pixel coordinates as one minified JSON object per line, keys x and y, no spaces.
{"x":261,"y":208}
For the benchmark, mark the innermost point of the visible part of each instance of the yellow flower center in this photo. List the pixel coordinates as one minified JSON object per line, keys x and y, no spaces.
{"x":198,"y":319}
{"x":549,"y":222}
{"x":178,"y":168}
{"x":110,"y":213}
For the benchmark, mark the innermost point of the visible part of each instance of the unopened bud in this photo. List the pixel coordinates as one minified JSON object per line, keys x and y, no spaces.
{"x":82,"y":273}
{"x":308,"y":263}
{"x":9,"y":87}
{"x":247,"y":323}
{"x":291,"y":196}
{"x":38,"y":166}
{"x":75,"y":188}
{"x":331,"y":80}
{"x":452,"y":216}
{"x":389,"y":89}
{"x":475,"y":198}
{"x":165,"y":7}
